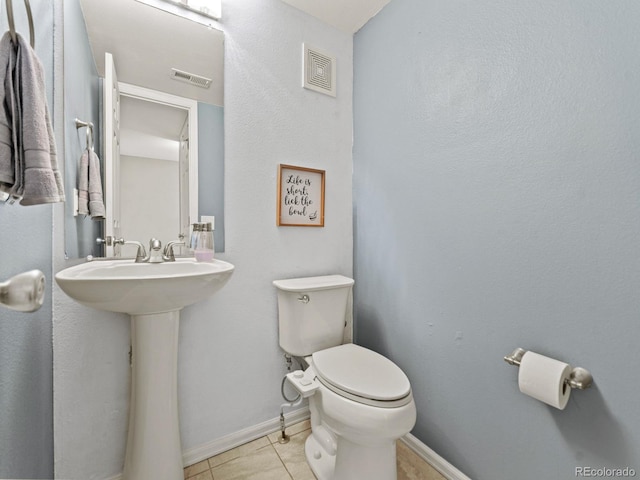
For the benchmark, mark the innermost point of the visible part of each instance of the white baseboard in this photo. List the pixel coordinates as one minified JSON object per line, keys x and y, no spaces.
{"x":202,"y":452}
{"x":235,"y":439}
{"x":436,"y":461}
{"x":197,"y":454}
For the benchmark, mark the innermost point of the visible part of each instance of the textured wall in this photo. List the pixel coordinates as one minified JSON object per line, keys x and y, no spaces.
{"x":26,"y":396}
{"x":82,"y":99}
{"x":211,"y":167}
{"x":496,"y":205}
{"x":230,"y":365}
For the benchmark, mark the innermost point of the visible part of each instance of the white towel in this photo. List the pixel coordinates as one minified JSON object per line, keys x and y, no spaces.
{"x":90,"y":186}
{"x":31,"y":153}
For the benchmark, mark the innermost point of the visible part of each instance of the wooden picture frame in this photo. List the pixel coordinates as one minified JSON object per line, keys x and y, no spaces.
{"x":300,"y":197}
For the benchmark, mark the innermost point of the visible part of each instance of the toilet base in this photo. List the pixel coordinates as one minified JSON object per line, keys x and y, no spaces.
{"x":322,"y":464}
{"x":357,"y":462}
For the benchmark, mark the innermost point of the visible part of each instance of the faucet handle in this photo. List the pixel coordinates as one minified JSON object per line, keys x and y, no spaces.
{"x":141,"y":254}
{"x":168,"y":254}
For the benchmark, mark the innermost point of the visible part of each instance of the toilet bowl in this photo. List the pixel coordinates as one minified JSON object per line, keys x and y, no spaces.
{"x":360,"y":402}
{"x":364,"y":404}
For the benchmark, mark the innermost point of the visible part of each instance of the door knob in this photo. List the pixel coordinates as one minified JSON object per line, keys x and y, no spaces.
{"x":23,"y":292}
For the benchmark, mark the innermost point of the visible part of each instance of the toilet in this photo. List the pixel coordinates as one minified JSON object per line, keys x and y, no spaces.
{"x":360,"y":402}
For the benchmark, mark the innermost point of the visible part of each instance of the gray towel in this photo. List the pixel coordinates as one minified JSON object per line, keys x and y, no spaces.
{"x":9,"y":165}
{"x":42,"y":179}
{"x":31,"y":153}
{"x":90,"y":186}
{"x":83,"y":184}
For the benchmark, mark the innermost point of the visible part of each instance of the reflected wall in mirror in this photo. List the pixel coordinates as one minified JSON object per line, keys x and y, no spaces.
{"x":146,"y":44}
{"x":158,"y":165}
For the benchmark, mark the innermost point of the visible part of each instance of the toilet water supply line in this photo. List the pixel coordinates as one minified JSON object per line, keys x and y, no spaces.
{"x":284,"y":438}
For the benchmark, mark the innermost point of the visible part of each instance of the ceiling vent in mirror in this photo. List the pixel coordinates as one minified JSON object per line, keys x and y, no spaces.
{"x":319,"y":71}
{"x":191,"y":78}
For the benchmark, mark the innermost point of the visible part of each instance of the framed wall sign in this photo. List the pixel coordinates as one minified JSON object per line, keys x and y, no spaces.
{"x":300,"y":197}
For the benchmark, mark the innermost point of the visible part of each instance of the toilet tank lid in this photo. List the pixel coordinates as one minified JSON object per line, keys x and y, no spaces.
{"x":307,"y":284}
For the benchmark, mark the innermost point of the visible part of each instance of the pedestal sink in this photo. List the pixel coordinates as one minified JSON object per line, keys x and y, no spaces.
{"x":153,"y":294}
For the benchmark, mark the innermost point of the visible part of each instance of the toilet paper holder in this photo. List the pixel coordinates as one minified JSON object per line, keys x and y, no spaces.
{"x":580,"y":378}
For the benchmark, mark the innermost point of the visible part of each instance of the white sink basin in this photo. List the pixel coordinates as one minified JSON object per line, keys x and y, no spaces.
{"x":143,"y":288}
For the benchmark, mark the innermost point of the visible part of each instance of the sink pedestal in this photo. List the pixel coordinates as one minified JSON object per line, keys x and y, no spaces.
{"x":140,"y":289}
{"x":153,"y":443}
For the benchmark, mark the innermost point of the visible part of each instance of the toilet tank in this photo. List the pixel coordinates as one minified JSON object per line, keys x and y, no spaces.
{"x":312,"y":312}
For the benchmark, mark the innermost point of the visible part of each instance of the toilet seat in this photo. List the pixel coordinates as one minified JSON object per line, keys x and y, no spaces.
{"x":362,"y":375}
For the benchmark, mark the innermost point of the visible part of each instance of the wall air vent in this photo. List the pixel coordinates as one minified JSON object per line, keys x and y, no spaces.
{"x":319,"y":71}
{"x":191,"y":78}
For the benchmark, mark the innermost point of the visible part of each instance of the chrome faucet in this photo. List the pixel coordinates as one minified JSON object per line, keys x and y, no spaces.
{"x":155,"y":253}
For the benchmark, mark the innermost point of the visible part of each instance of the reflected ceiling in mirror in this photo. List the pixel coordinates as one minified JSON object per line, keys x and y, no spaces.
{"x":150,"y":119}
{"x":138,"y":35}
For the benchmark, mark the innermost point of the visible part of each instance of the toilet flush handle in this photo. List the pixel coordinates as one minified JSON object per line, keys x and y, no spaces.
{"x":304,"y":298}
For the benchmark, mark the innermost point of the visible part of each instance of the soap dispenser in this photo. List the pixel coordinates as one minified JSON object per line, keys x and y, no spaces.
{"x":204,"y":243}
{"x":193,"y":243}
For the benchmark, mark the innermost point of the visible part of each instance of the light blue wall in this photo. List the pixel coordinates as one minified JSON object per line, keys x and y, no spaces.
{"x":82,"y":96}
{"x":497,"y":205}
{"x":211,"y":167}
{"x":26,"y":385}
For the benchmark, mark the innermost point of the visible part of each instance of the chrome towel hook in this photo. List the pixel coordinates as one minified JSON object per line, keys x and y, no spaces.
{"x":89,"y":125}
{"x":12,"y":25}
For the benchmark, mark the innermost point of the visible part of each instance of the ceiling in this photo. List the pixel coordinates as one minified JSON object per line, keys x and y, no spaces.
{"x":147,"y":42}
{"x":346,"y":15}
{"x":137,"y":36}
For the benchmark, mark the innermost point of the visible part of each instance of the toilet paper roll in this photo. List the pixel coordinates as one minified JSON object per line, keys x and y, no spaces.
{"x":545,"y":379}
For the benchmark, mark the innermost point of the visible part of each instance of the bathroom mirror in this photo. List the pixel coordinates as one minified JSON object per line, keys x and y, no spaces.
{"x":156,"y":51}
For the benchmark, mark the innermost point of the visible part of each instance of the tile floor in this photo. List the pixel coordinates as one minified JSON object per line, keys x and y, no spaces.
{"x":266,"y":459}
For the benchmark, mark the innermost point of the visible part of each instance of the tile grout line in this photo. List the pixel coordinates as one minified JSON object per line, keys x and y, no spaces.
{"x":306,"y":431}
{"x":280,"y":458}
{"x":283,"y":463}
